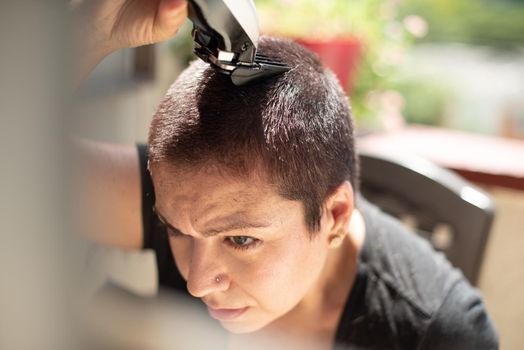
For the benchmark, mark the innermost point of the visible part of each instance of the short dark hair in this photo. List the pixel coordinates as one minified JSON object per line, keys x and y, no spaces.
{"x":296,"y":126}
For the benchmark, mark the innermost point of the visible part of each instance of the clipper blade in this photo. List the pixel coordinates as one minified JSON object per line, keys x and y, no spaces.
{"x":263,"y":67}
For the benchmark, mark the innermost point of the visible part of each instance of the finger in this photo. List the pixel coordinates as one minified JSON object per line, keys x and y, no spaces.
{"x":172,"y":5}
{"x":171,"y":15}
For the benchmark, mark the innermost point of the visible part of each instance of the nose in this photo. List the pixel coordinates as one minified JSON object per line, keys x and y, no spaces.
{"x":206,"y":273}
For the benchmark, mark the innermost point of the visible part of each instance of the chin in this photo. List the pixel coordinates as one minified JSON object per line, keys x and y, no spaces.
{"x":243,"y":327}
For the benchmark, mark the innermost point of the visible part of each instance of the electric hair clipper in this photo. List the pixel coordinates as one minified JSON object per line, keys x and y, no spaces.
{"x":225,"y":34}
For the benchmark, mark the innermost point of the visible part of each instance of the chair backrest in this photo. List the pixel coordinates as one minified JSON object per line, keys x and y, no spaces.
{"x":441,"y":206}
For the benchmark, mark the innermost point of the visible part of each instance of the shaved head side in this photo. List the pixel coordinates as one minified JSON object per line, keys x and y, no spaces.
{"x":294,"y":128}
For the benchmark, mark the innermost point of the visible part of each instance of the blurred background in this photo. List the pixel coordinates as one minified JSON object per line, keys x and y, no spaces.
{"x":455,"y":67}
{"x":443,"y":79}
{"x":444,"y":76}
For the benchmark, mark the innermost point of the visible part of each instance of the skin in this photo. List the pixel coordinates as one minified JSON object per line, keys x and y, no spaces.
{"x":281,"y":272}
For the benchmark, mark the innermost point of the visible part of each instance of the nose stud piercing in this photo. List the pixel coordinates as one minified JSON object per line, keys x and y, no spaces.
{"x":217,"y":279}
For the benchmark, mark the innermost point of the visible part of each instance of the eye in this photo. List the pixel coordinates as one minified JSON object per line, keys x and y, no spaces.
{"x":242,"y":242}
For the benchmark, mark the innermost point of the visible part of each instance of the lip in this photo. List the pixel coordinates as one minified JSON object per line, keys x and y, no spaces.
{"x":226,"y":314}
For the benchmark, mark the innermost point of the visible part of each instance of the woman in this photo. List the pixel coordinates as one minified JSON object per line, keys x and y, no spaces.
{"x":249,"y":197}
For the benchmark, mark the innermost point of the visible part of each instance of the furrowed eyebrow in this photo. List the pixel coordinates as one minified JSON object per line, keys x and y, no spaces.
{"x":238,"y":224}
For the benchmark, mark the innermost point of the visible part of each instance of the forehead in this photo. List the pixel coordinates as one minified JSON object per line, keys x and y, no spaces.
{"x":209,"y":191}
{"x":184,"y":179}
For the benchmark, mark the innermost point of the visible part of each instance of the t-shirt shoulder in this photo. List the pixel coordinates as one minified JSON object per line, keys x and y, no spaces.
{"x":420,"y":298}
{"x":406,"y":263}
{"x":461,"y":323}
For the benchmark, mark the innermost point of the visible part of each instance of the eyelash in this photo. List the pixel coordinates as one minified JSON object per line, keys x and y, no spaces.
{"x":229,"y":240}
{"x":255,"y":242}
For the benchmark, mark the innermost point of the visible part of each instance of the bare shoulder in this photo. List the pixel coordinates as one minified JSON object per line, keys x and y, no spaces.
{"x":107,"y":193}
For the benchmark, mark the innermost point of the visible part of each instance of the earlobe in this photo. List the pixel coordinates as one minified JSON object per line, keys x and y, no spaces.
{"x":336,"y":240}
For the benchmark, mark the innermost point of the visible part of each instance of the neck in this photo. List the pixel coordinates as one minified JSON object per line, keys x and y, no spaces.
{"x":336,"y":279}
{"x":328,"y":296}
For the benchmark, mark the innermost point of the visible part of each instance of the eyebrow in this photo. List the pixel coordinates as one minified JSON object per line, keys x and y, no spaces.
{"x":232,"y":222}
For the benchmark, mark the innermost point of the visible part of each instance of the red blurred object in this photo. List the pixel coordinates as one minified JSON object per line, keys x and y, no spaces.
{"x":340,"y":55}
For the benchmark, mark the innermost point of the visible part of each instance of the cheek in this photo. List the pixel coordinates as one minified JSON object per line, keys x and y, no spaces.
{"x":282,"y":273}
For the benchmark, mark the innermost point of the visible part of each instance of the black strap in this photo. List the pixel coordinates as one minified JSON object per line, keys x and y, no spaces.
{"x":148,"y":198}
{"x":154,"y":235}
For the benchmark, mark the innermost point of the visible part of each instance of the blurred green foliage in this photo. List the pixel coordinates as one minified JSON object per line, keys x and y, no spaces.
{"x":320,"y":19}
{"x":374,"y":22}
{"x":425,"y":99}
{"x":496,"y":23}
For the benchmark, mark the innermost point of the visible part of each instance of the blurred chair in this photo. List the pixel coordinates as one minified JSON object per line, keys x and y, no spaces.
{"x":452,"y":214}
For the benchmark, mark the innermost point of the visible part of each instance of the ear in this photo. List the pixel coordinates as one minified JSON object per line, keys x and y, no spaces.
{"x":338,"y":210}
